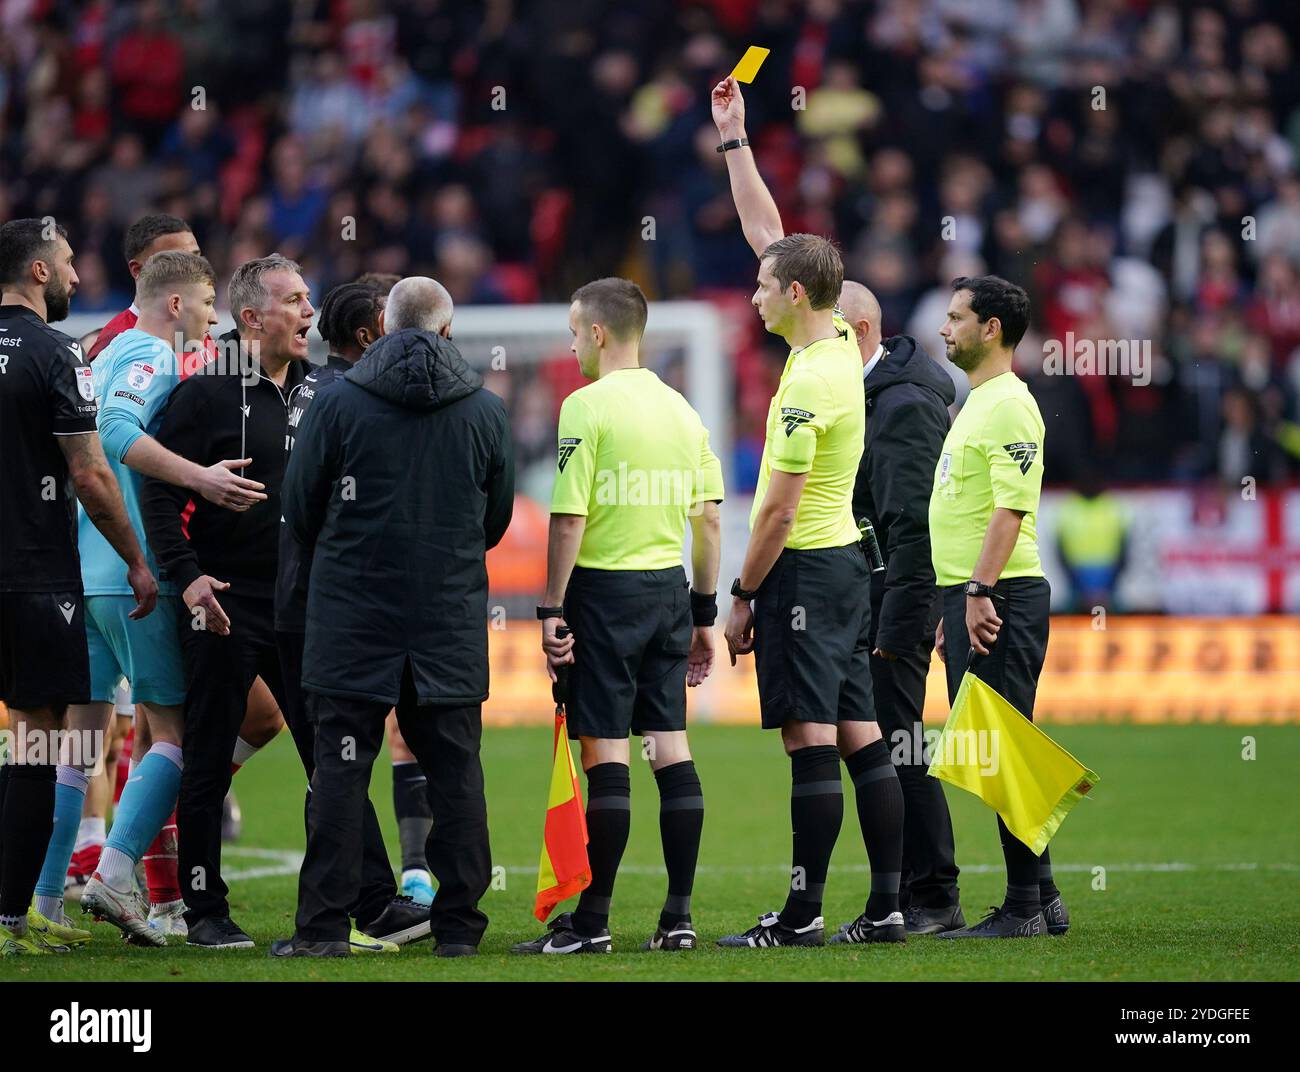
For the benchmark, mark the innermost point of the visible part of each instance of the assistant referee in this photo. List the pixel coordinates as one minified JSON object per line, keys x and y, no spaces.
{"x":633,"y":465}
{"x":985,"y":546}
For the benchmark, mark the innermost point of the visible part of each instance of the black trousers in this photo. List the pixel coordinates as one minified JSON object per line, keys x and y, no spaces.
{"x":219,"y":671}
{"x":929,"y":857}
{"x":377,"y":885}
{"x":445,"y":742}
{"x":1016,"y":659}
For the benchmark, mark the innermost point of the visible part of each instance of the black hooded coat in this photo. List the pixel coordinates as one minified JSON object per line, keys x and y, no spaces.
{"x":400,"y":480}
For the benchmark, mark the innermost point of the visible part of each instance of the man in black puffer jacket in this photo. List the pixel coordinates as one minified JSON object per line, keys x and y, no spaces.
{"x":400,"y":480}
{"x":907,"y":400}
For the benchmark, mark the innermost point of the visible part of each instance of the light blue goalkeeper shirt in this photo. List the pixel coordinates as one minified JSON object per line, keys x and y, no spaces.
{"x":133,"y":378}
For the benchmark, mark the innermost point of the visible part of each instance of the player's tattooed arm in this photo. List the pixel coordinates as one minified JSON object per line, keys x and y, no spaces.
{"x":98,"y":492}
{"x":759,"y":217}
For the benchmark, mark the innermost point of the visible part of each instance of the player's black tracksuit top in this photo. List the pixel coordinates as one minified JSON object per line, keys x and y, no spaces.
{"x":214,"y":415}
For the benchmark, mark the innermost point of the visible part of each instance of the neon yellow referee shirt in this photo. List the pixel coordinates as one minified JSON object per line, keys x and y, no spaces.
{"x":993,"y":456}
{"x":633,"y":458}
{"x":816,"y":424}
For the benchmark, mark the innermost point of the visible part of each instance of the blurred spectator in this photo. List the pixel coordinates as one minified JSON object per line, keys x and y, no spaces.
{"x":519,"y":147}
{"x":1092,"y":532}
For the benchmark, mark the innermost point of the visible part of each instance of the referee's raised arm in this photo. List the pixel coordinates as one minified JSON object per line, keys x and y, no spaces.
{"x":759,"y":217}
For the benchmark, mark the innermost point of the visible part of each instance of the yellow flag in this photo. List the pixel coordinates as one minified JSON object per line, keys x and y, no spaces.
{"x":990,"y":749}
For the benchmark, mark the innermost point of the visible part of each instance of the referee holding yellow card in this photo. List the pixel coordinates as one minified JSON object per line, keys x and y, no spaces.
{"x":802,"y":601}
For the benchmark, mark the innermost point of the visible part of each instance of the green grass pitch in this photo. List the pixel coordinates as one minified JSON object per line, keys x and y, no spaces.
{"x":1200,"y":850}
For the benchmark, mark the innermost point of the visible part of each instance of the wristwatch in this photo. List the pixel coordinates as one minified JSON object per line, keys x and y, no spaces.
{"x":741,"y":593}
{"x":974,"y":590}
{"x":735,"y":143}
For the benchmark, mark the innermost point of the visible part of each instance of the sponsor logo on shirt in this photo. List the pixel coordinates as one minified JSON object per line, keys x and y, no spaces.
{"x":1024,"y":453}
{"x":567,"y":447}
{"x":139,"y":375}
{"x":792,"y":418}
{"x":85,"y":383}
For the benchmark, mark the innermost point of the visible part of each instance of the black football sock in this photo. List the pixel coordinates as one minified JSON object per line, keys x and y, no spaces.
{"x":816,"y":812}
{"x":25,"y":829}
{"x":413,"y":814}
{"x":880,"y":812}
{"x":681,"y":819}
{"x":1047,"y":891}
{"x":609,"y":815}
{"x":1022,"y":873}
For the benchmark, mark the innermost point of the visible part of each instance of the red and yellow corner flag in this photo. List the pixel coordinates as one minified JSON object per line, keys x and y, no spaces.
{"x":990,"y":749}
{"x":564,"y":868}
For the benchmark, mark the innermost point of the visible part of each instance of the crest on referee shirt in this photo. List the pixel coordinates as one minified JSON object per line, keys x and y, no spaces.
{"x":139,"y":375}
{"x":1024,"y":453}
{"x":85,"y":383}
{"x":792,"y":418}
{"x":567,"y":447}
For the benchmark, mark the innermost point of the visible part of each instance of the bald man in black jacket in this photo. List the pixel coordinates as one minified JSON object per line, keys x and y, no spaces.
{"x":400,"y":480}
{"x":907,"y":397}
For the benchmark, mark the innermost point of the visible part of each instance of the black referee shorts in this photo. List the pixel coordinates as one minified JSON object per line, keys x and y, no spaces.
{"x":812,"y":621}
{"x":632,"y":633}
{"x":44,"y":661}
{"x":1015,"y":660}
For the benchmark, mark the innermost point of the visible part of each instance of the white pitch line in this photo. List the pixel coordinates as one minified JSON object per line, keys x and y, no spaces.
{"x":966,"y":869}
{"x":288,"y":862}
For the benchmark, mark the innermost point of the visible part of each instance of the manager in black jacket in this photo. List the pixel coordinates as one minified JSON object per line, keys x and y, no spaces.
{"x":907,"y":399}
{"x":225,"y":562}
{"x":401,"y":478}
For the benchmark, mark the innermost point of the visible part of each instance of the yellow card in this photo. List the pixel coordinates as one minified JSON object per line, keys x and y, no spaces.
{"x":749,"y":63}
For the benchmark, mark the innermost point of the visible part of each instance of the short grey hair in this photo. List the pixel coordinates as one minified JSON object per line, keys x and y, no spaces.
{"x":418,"y":302}
{"x":248,"y":286}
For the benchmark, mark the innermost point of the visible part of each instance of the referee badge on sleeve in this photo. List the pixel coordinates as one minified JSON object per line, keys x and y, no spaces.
{"x":792,"y":418}
{"x":945,"y":468}
{"x":1022,"y":453}
{"x":567,"y":447}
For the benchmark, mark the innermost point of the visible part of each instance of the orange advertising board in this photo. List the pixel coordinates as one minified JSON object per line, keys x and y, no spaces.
{"x":1135,"y":669}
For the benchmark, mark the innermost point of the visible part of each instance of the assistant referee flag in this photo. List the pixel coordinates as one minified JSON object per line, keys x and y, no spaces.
{"x":990,"y":749}
{"x":564,"y":868}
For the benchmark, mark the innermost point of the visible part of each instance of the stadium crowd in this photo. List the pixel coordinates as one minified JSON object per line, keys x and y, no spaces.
{"x":1131,"y":162}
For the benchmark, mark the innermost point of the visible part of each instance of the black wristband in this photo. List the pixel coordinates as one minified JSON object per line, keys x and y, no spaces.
{"x":741,"y":593}
{"x":704,"y":609}
{"x":735,"y":143}
{"x":549,"y":612}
